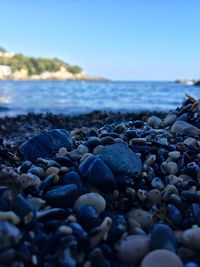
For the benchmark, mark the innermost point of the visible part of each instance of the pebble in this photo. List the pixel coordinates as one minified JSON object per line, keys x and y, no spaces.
{"x":174,"y":155}
{"x":28,"y":180}
{"x":92,"y":199}
{"x":45,"y":145}
{"x":133,"y":248}
{"x":185,"y":127}
{"x":52,"y":171}
{"x":170,"y":167}
{"x":163,"y":237}
{"x":191,"y":238}
{"x":62,"y":195}
{"x":9,"y":216}
{"x":154,"y":121}
{"x":161,"y":258}
{"x":98,"y":174}
{"x":9,"y":235}
{"x":170,"y":119}
{"x":144,"y":218}
{"x":157,"y":183}
{"x":121,"y":160}
{"x":190,"y":141}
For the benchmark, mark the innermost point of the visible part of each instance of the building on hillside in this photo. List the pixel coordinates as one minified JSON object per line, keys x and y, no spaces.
{"x":5,"y":71}
{"x":6,"y":54}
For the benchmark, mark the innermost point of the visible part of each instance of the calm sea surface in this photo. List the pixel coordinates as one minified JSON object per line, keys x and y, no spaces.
{"x":19,"y":97}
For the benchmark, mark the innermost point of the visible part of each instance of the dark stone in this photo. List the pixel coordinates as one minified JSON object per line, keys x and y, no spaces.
{"x":45,"y":145}
{"x":98,"y":174}
{"x":163,"y":237}
{"x":71,"y":177}
{"x":118,"y":228}
{"x":174,"y":214}
{"x":121,"y":160}
{"x":9,"y":235}
{"x":93,"y":142}
{"x":195,"y":213}
{"x":51,"y":214}
{"x":62,"y":195}
{"x":24,"y":210}
{"x":87,"y":216}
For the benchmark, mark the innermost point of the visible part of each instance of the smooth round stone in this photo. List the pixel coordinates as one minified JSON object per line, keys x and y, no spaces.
{"x":121,"y":160}
{"x":82,"y":148}
{"x":91,"y":199}
{"x":133,"y":248}
{"x":185,"y":127}
{"x":45,"y":145}
{"x":144,"y":218}
{"x":98,"y":174}
{"x":51,"y":171}
{"x":28,"y":179}
{"x":161,"y":258}
{"x":9,"y":235}
{"x":154,"y":121}
{"x":97,"y":149}
{"x":170,"y":119}
{"x":154,"y":197}
{"x":168,"y":190}
{"x":170,"y":167}
{"x":87,"y":216}
{"x":157,"y":183}
{"x":62,"y":195}
{"x":190,"y":141}
{"x":191,"y":238}
{"x":163,"y":141}
{"x":163,"y":237}
{"x":174,"y":155}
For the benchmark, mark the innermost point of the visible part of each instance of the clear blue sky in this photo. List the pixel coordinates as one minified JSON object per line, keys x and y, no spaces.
{"x":119,"y":39}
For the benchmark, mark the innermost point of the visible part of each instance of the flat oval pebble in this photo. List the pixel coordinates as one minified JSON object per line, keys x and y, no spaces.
{"x":28,"y":179}
{"x":91,"y":199}
{"x":174,"y":155}
{"x":45,"y":145}
{"x":133,"y":248}
{"x":191,"y":238}
{"x":121,"y":159}
{"x":161,"y":258}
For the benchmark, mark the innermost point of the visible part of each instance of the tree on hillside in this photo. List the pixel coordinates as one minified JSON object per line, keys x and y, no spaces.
{"x":3,"y":49}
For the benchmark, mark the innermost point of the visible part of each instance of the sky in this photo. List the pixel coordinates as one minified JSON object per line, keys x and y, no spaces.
{"x":117,"y":39}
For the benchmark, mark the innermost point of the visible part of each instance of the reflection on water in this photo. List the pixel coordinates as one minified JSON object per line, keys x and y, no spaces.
{"x":81,"y":97}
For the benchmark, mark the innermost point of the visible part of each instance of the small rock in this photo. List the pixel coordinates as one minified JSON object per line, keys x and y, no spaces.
{"x":133,"y":248}
{"x":170,"y":167}
{"x":174,"y":155}
{"x":161,"y":258}
{"x":62,"y":195}
{"x":51,"y":171}
{"x":185,"y":127}
{"x":144,"y":218}
{"x":154,"y":121}
{"x":190,"y":141}
{"x":9,"y":235}
{"x":121,"y":160}
{"x":170,"y":119}
{"x":191,"y":238}
{"x":157,"y":183}
{"x":92,"y":199}
{"x":45,"y":145}
{"x":28,"y":179}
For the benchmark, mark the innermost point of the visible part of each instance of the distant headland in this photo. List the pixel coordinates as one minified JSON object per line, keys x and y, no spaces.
{"x":20,"y":67}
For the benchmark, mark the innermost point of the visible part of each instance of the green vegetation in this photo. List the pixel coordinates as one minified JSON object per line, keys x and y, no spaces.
{"x":37,"y":65}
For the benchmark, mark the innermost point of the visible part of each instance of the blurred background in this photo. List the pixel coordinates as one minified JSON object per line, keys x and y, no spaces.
{"x":75,"y":57}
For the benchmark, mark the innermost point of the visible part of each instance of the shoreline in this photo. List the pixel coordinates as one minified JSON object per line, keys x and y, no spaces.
{"x":102,"y":185}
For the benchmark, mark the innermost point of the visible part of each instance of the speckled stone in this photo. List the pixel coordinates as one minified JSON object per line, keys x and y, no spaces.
{"x":144,"y":218}
{"x":121,"y":159}
{"x":161,"y":258}
{"x":92,"y":199}
{"x":132,"y":249}
{"x":191,"y":238}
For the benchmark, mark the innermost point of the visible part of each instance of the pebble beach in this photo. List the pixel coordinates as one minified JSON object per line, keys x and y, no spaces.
{"x":101,"y":189}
